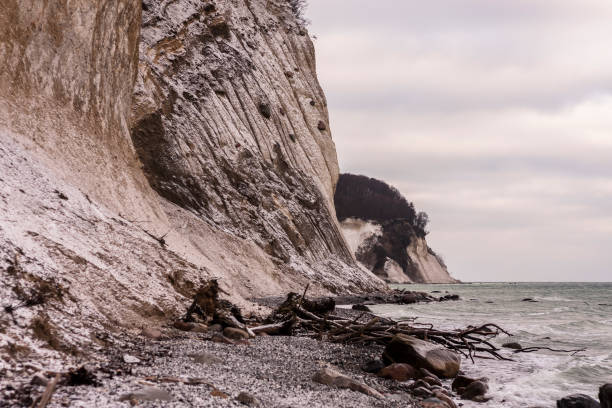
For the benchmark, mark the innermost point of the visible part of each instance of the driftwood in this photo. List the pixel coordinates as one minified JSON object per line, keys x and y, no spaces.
{"x":48,"y":393}
{"x":472,"y":342}
{"x":532,"y":349}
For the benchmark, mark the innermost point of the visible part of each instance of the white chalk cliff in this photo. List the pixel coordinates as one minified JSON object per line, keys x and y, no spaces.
{"x":147,"y":146}
{"x":377,"y":249}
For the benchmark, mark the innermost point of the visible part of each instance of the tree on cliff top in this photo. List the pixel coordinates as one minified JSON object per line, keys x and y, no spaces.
{"x":370,"y":199}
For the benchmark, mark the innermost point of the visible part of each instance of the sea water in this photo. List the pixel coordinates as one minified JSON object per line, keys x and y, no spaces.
{"x":564,"y":316}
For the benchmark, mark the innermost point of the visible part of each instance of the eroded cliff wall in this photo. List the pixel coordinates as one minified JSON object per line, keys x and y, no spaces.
{"x":222,"y":148}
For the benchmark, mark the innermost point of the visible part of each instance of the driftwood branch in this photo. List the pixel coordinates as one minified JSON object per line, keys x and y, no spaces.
{"x":48,"y":393}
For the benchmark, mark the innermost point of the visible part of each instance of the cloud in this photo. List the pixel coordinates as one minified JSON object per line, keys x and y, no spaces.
{"x":492,"y":116}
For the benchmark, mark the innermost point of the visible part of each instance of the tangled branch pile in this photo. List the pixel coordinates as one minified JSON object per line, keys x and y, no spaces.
{"x":298,"y":315}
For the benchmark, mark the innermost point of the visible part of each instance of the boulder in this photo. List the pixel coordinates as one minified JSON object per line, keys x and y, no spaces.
{"x":422,"y":354}
{"x":333,"y":378}
{"x":398,"y":372}
{"x":577,"y":401}
{"x":605,"y":396}
{"x":433,"y":403}
{"x":373,"y":366}
{"x":475,"y":389}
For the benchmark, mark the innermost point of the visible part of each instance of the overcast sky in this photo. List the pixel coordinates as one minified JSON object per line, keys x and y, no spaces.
{"x":493,"y":116}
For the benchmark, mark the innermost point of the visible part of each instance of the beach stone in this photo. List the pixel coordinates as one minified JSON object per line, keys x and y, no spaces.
{"x":373,"y":366}
{"x":398,"y":372}
{"x":39,"y":379}
{"x":605,"y":396}
{"x":475,"y":389}
{"x":512,"y":345}
{"x":152,"y":333}
{"x":433,"y":403}
{"x":247,"y":399}
{"x":577,"y":401}
{"x":147,"y":394}
{"x":421,"y":392}
{"x":216,"y":328}
{"x":443,"y":397}
{"x":220,"y":338}
{"x":235,"y":334}
{"x":361,"y":307}
{"x":463,"y":381}
{"x":184,"y":326}
{"x":333,"y":378}
{"x":432,"y":381}
{"x":426,"y":373}
{"x":127,"y":358}
{"x":419,"y":353}
{"x":421,"y":384}
{"x":206,"y":358}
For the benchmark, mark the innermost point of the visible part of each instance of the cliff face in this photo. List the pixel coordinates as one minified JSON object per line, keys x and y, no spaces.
{"x":231,"y":124}
{"x":208,"y":128}
{"x":394,"y":252}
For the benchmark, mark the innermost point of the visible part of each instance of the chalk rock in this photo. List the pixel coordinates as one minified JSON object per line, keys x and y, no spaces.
{"x":419,"y":353}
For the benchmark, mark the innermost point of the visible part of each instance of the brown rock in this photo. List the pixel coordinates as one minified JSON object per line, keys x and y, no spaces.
{"x":333,"y":378}
{"x":398,"y":372}
{"x":426,"y":373}
{"x":605,"y":396}
{"x":321,"y":126}
{"x":433,"y":403}
{"x":432,"y":381}
{"x":475,"y":389}
{"x":421,"y":392}
{"x":463,"y":381}
{"x":447,"y":400}
{"x":220,"y":338}
{"x":235,"y":334}
{"x":152,"y":333}
{"x":247,"y":399}
{"x":199,"y":328}
{"x":184,"y":326}
{"x":419,"y":353}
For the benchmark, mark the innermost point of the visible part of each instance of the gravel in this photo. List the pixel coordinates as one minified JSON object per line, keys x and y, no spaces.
{"x":276,"y":370}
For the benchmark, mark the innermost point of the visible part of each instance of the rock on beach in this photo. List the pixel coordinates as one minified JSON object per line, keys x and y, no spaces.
{"x":419,"y":353}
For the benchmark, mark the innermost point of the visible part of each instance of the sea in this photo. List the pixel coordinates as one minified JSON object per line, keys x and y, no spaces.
{"x":564,"y":316}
